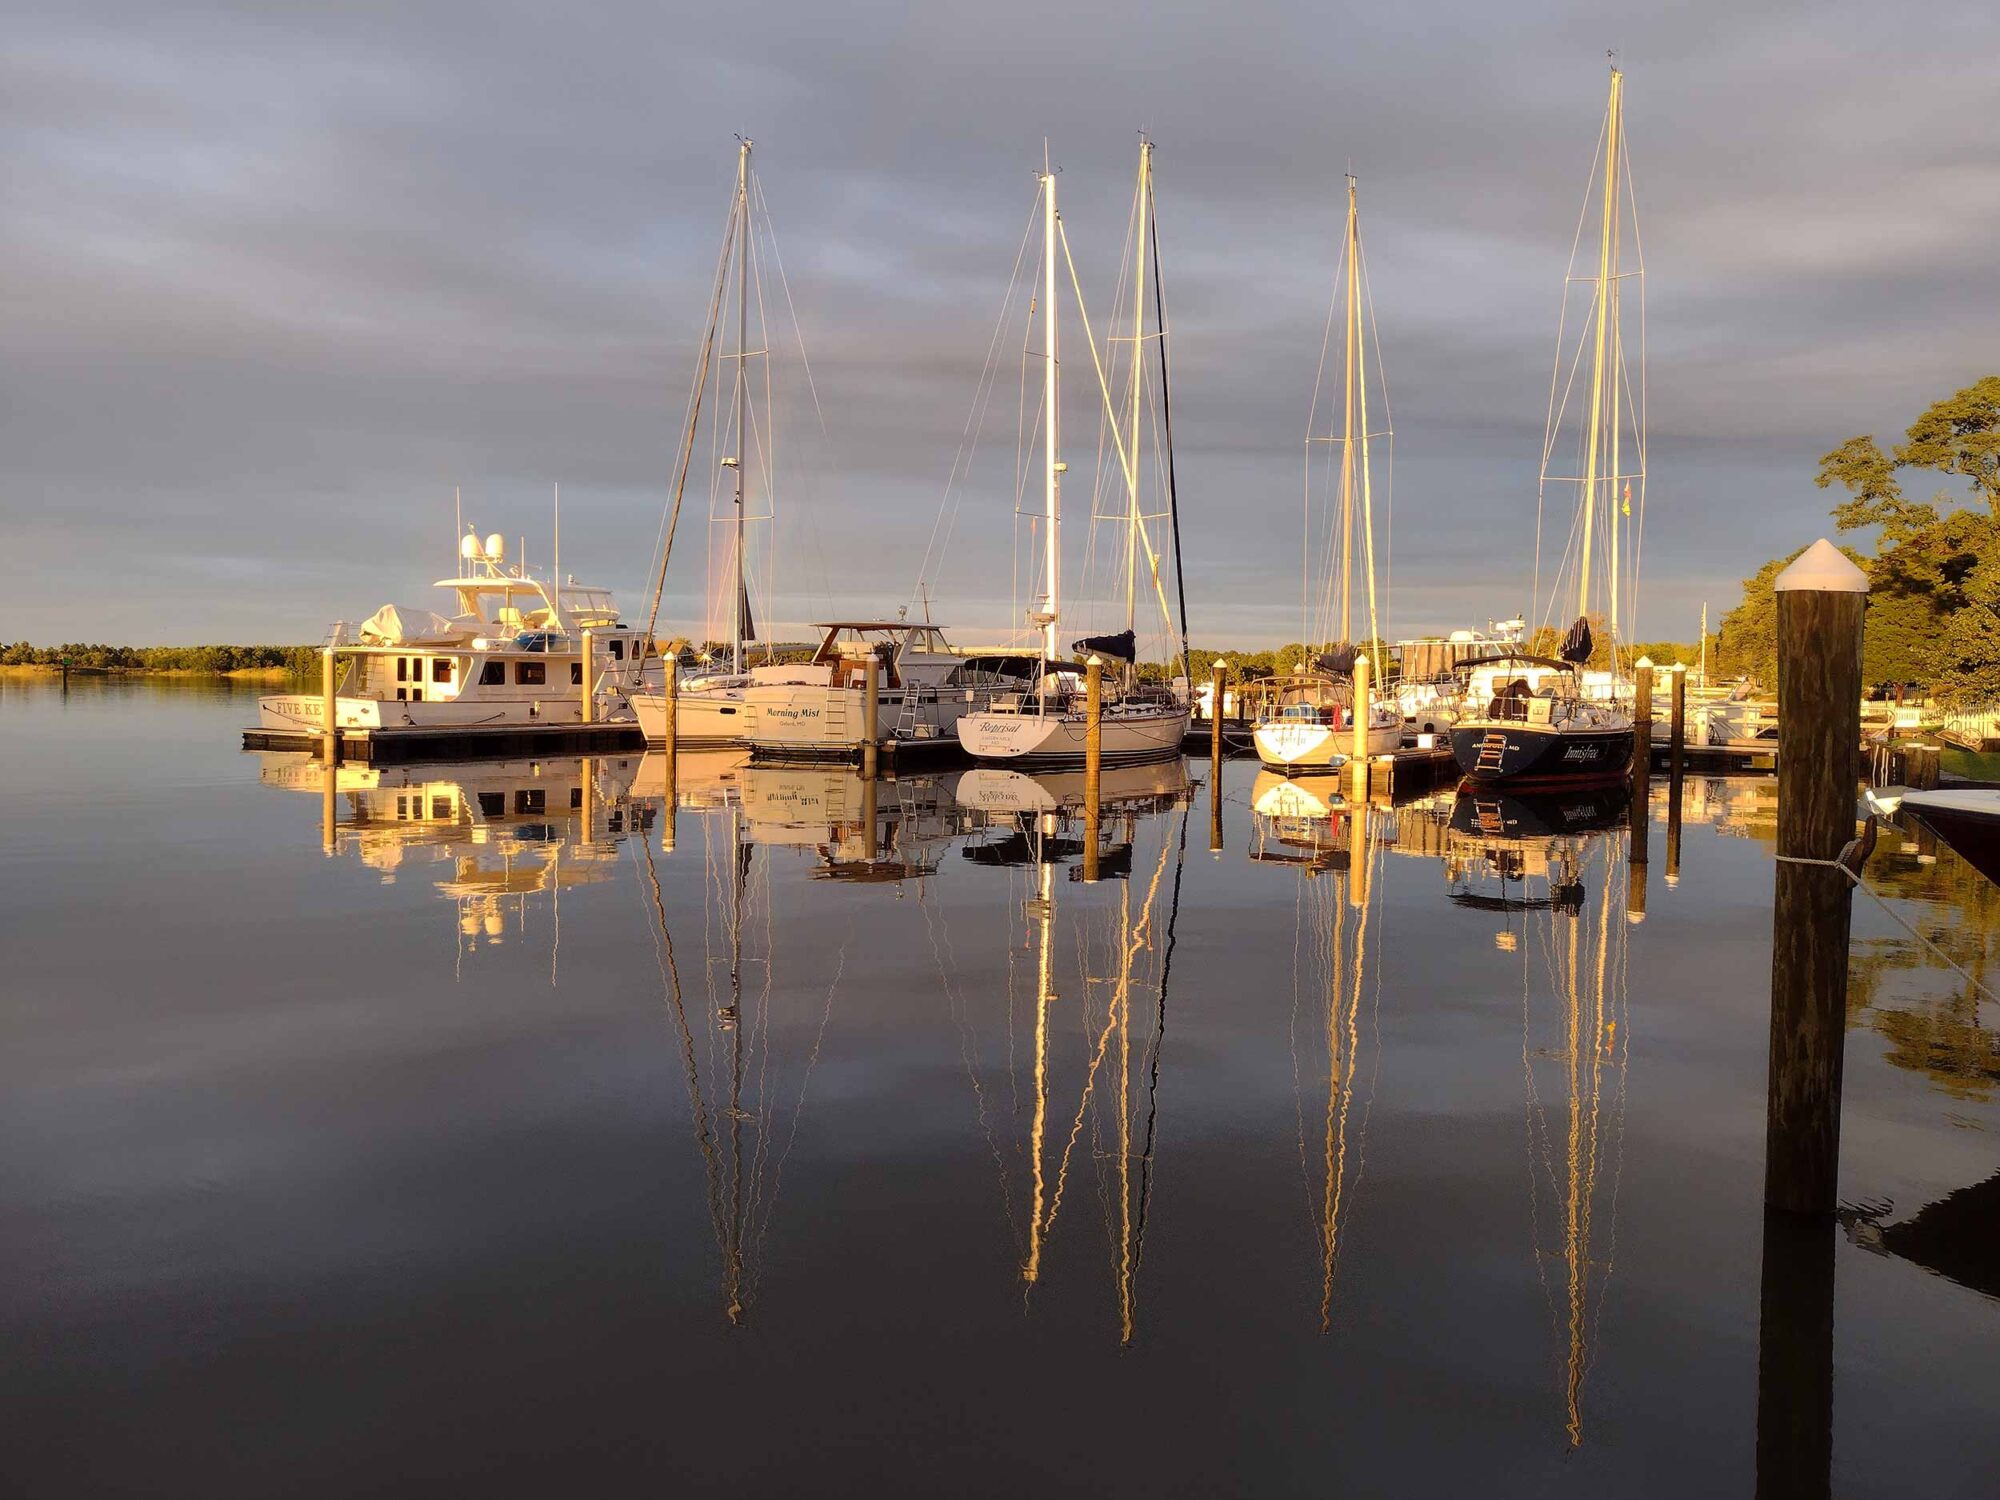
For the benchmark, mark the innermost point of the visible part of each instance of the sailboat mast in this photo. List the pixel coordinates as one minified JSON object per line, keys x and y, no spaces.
{"x":1347,"y":427}
{"x":1367,"y":496}
{"x":1613,"y":289}
{"x":742,"y":390}
{"x":1052,"y":500}
{"x":1603,"y":312}
{"x":1138,"y":365}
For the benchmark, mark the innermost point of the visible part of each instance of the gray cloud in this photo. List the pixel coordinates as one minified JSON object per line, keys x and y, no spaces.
{"x":276,"y":278}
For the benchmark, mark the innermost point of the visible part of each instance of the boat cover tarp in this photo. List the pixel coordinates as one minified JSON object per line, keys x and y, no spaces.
{"x":1339,"y":662}
{"x":405,"y":625}
{"x":1576,"y":645}
{"x":1124,"y":646}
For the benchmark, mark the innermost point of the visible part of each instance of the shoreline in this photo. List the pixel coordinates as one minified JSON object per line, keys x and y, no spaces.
{"x":43,"y":669}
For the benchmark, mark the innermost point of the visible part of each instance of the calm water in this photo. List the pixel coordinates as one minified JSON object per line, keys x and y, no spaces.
{"x":529,"y":1137}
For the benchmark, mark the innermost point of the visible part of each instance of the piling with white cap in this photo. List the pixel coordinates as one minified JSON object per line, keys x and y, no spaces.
{"x":1822,"y":598}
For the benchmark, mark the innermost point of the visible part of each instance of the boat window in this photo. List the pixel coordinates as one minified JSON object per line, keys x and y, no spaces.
{"x":402,"y":694}
{"x":576,"y":674}
{"x":416,"y":695}
{"x":402,"y":669}
{"x":441,"y":669}
{"x":492,"y":804}
{"x":493,"y":674}
{"x":576,"y":796}
{"x":440,"y":807}
{"x":618,"y":651}
{"x":530,"y":800}
{"x":530,"y":673}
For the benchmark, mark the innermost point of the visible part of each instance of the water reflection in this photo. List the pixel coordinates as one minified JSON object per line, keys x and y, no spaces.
{"x":746,"y":1102}
{"x":1107,"y":1079}
{"x":495,"y":838}
{"x":1336,"y":848}
{"x":1549,"y":867}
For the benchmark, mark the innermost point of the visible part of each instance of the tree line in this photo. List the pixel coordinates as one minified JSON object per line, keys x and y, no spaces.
{"x":102,"y":658}
{"x":1934,"y":576}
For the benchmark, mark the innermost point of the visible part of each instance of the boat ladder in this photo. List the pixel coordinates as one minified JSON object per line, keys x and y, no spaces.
{"x":1491,"y":749}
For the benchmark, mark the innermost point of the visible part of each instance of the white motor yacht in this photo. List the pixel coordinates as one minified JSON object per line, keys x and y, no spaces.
{"x":510,"y":653}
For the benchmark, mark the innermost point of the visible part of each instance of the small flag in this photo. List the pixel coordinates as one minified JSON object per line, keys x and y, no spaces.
{"x":1628,"y":497}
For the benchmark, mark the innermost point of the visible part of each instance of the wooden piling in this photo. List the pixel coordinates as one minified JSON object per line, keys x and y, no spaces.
{"x":1640,"y":819}
{"x":1093,"y":760}
{"x":1216,"y":677}
{"x":670,"y":767}
{"x":587,"y":708}
{"x":870,"y":748}
{"x":1358,"y":756}
{"x":1821,"y":599}
{"x":329,"y":699}
{"x":1677,"y":724}
{"x":869,"y":807}
{"x":329,"y":839}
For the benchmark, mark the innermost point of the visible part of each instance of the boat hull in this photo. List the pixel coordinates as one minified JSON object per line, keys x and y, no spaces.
{"x":701,"y":720}
{"x":1032,"y":740}
{"x":1506,"y":750}
{"x":306,"y":712}
{"x":1968,"y":821}
{"x":1286,"y":744}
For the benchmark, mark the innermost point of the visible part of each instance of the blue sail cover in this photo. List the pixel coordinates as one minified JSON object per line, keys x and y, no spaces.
{"x":1124,"y":646}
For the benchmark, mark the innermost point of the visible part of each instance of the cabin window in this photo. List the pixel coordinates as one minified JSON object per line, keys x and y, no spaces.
{"x":402,"y":694}
{"x":530,"y":673}
{"x":576,"y":674}
{"x":576,"y":796}
{"x":416,"y":695}
{"x":493,"y":674}
{"x":492,"y":804}
{"x":618,"y":651}
{"x":402,"y":669}
{"x":530,"y":800}
{"x":441,"y":669}
{"x":440,"y":807}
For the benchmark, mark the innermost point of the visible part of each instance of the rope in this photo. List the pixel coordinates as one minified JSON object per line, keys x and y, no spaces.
{"x":1854,"y":880}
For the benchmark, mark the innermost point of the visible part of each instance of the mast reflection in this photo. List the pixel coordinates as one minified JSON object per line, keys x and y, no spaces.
{"x":1335,"y":846}
{"x":1030,"y":826}
{"x":1539,"y":862}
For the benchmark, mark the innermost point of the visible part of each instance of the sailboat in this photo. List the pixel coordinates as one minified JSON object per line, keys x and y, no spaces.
{"x":1557,"y":733}
{"x":1305,"y":720}
{"x":1046,"y":727}
{"x":709,"y":711}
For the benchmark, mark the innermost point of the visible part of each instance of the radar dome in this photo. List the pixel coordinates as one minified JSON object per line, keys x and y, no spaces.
{"x":468,"y":547}
{"x":496,"y":547}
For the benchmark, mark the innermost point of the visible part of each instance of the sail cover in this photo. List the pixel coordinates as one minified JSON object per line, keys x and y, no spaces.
{"x":746,"y":622}
{"x":1576,"y":645}
{"x":1124,"y":646}
{"x":1339,"y":662}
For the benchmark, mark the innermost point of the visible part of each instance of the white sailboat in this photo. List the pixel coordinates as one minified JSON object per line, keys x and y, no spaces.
{"x":1046,"y":727}
{"x":1305,"y":719}
{"x":709,"y":711}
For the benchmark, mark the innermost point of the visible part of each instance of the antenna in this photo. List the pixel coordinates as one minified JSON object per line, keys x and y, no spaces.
{"x":457,"y":522}
{"x":558,"y":548}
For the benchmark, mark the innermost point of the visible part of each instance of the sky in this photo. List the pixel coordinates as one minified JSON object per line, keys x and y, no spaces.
{"x":277,"y":278}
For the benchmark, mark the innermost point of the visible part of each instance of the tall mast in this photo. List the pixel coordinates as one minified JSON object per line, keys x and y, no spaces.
{"x":1052,"y":501}
{"x":742,"y":388}
{"x":1612,"y":290}
{"x":1603,"y":311}
{"x":1347,"y":429}
{"x":1138,"y":365}
{"x":1367,"y":497}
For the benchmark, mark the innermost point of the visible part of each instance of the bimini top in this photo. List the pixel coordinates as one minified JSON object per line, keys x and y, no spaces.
{"x":876,"y":625}
{"x":1515,"y":656}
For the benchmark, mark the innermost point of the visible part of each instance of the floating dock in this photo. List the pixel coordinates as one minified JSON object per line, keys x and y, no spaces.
{"x":484,"y":742}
